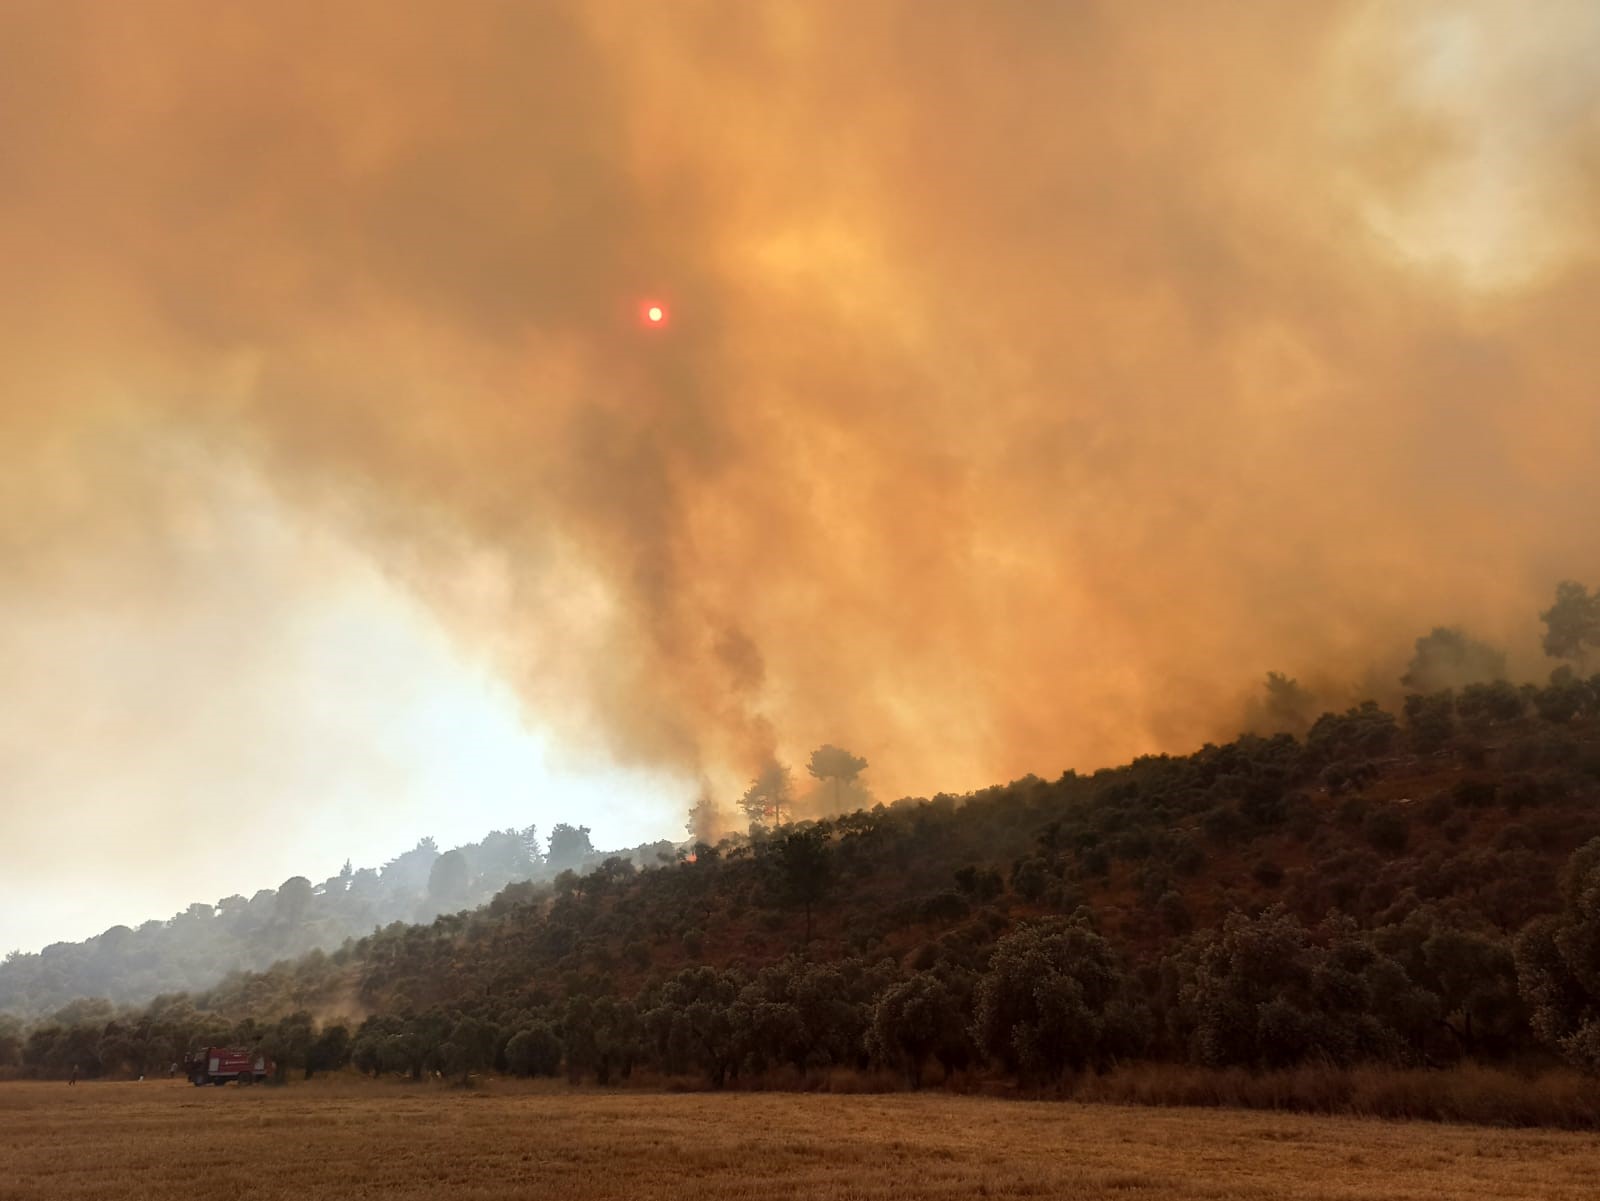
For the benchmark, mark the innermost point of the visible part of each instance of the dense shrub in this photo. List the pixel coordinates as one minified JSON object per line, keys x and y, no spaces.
{"x":1267,"y":873}
{"x":1558,"y":960}
{"x":1386,"y":829}
{"x":534,"y":1051}
{"x":918,"y":1019}
{"x":1360,"y":733}
{"x":1430,"y":721}
{"x":1055,"y":999}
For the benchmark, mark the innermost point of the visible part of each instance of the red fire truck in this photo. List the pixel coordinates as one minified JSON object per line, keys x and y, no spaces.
{"x":218,"y":1065}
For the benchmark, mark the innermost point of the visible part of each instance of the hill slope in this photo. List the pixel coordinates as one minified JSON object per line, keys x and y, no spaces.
{"x":195,"y":948}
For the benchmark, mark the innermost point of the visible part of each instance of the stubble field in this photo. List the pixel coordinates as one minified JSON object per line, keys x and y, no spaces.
{"x":160,"y":1140}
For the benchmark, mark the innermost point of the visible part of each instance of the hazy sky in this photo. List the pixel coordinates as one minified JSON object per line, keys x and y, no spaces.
{"x":1036,"y":377}
{"x":280,"y":706}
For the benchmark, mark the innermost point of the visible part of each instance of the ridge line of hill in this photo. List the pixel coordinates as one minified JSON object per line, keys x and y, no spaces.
{"x":1413,"y":893}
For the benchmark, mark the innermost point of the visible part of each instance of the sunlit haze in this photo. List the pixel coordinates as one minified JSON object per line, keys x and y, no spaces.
{"x":294,"y":710}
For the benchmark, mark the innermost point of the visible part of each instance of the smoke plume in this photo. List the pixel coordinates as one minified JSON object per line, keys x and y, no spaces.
{"x":1036,"y":378}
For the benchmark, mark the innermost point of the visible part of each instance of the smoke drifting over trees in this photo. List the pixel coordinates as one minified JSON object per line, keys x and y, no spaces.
{"x":1449,"y":658}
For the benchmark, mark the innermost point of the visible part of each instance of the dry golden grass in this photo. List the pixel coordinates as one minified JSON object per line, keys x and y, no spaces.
{"x":165,"y":1140}
{"x":1468,"y":1093}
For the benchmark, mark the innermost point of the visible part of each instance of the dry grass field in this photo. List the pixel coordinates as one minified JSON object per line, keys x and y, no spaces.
{"x":349,"y":1139}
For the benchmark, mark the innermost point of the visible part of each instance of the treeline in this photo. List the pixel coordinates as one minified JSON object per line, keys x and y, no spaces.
{"x":1419,"y":889}
{"x":197,"y":947}
{"x":1449,"y":658}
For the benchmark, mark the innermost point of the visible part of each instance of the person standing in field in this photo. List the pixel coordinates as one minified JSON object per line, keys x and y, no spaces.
{"x":73,"y":1079}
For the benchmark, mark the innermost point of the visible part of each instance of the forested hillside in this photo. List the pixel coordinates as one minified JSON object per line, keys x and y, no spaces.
{"x":197,"y":947}
{"x":1413,"y":890}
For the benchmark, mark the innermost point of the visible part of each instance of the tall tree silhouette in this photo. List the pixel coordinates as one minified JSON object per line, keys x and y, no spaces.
{"x":831,"y":763}
{"x":1572,"y":624}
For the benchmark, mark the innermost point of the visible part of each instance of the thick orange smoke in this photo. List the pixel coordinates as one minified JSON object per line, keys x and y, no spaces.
{"x":1038,"y":375}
